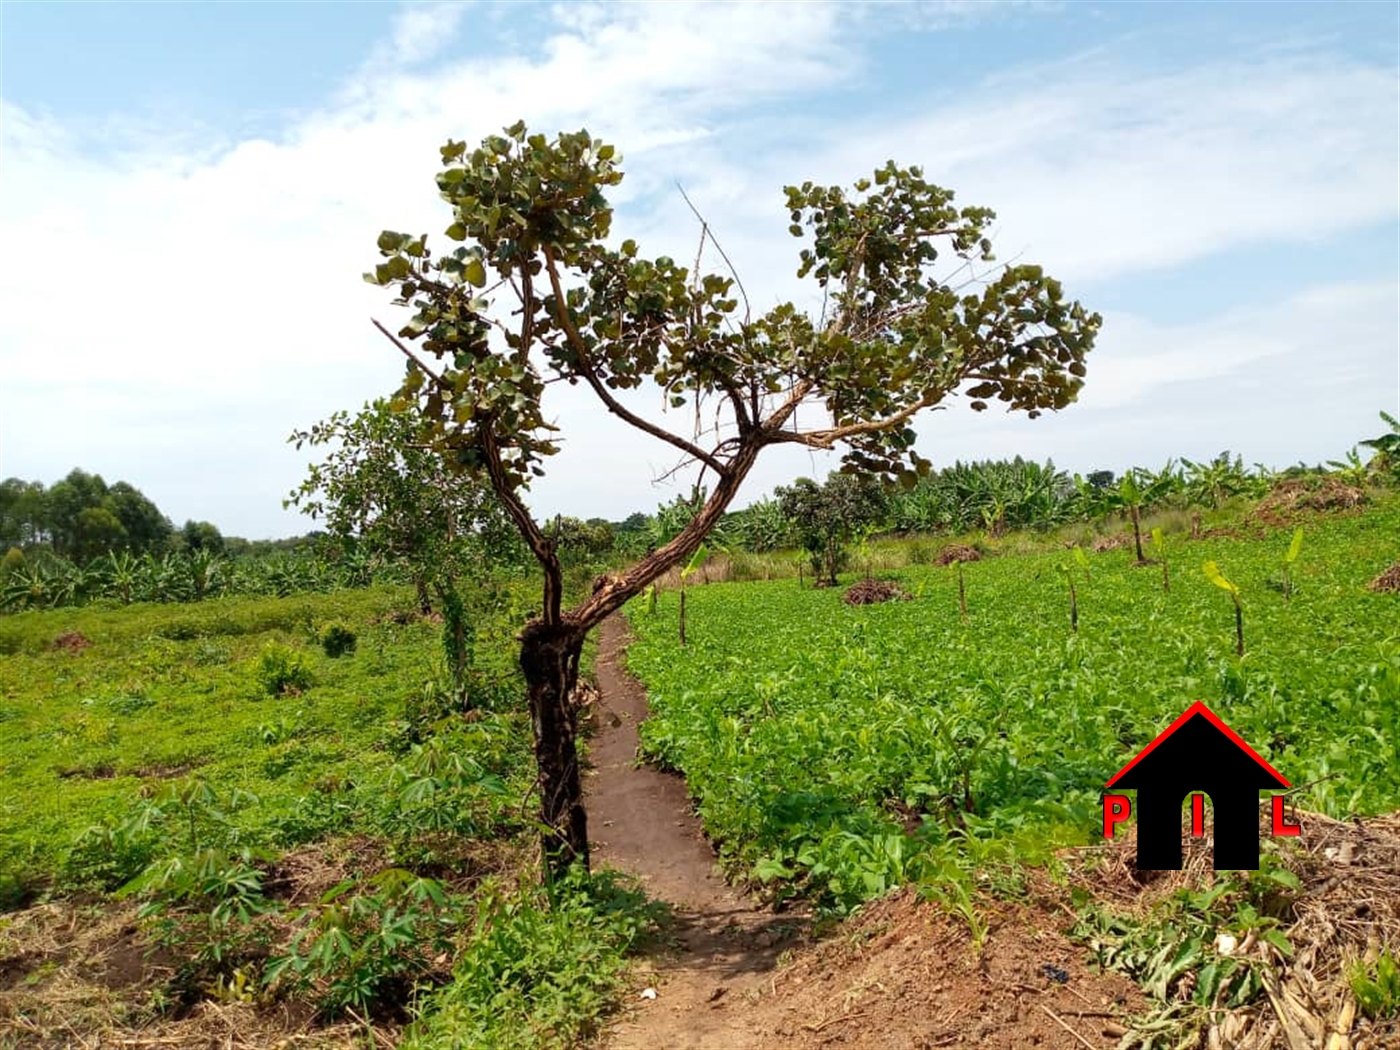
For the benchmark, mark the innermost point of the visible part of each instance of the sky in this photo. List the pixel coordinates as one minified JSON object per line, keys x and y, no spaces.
{"x":190,"y":193}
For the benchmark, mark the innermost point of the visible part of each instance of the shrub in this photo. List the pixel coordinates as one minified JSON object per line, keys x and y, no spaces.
{"x":282,"y":669}
{"x":337,"y":640}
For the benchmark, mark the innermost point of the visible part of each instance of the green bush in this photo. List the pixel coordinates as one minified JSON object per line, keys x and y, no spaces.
{"x":534,"y":976}
{"x":337,"y":640}
{"x":282,"y":669}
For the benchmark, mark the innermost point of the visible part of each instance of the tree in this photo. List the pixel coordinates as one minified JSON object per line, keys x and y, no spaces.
{"x":95,"y":532}
{"x":64,"y":506}
{"x":895,"y":338}
{"x":145,"y":527}
{"x":388,"y":493}
{"x":23,"y":513}
{"x":827,"y":517}
{"x":1135,"y":491}
{"x":202,"y":536}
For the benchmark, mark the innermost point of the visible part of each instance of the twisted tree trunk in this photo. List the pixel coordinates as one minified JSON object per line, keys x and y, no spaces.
{"x":549,"y":656}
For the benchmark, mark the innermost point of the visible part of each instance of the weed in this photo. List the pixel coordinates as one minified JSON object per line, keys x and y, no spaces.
{"x":1376,"y":986}
{"x":337,"y":640}
{"x":281,"y":669}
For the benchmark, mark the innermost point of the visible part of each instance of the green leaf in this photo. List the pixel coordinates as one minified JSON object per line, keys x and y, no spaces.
{"x":696,"y":560}
{"x":457,"y":231}
{"x":1294,"y":548}
{"x":474,"y":272}
{"x":1214,"y":575}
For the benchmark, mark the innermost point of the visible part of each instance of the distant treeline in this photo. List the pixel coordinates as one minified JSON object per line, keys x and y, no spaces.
{"x":81,"y":539}
{"x":82,"y":517}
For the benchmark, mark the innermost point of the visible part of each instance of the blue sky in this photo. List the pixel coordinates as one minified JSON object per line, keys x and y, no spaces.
{"x":207,"y":180}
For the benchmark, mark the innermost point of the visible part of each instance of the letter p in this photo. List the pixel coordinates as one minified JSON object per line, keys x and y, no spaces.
{"x":1116,"y":809}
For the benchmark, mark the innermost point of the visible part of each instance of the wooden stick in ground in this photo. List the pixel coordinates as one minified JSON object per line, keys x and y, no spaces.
{"x":1062,"y":1023}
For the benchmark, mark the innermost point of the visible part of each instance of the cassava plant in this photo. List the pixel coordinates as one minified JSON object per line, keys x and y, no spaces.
{"x":532,"y":291}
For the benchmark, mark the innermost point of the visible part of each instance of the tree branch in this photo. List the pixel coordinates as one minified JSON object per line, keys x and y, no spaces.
{"x":539,"y":544}
{"x":748,"y":310}
{"x":826,"y":439}
{"x":613,"y":405}
{"x":442,"y":383}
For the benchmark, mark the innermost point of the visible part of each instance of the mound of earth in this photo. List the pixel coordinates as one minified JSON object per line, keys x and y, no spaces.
{"x":1323,"y":495}
{"x":904,"y":974}
{"x":1387,"y":582}
{"x":871,"y":592}
{"x":1111,"y":543}
{"x":71,"y":642}
{"x":957,"y":552}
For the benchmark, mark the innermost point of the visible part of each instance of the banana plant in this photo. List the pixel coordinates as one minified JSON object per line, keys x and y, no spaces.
{"x":1215,"y":576}
{"x":696,"y":560}
{"x":1082,"y":560}
{"x":1352,"y":471}
{"x":121,"y":571}
{"x":1386,"y":448}
{"x":1159,"y":552}
{"x":1294,"y":549}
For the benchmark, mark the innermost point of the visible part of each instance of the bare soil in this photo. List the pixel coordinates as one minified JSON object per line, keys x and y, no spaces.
{"x":739,"y":976}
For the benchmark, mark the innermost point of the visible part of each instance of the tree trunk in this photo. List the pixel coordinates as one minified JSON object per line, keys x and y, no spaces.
{"x":1137,"y":533}
{"x":549,"y":655}
{"x":425,"y":605}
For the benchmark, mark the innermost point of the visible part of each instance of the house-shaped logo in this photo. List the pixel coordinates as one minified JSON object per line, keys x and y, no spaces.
{"x":1197,"y":753}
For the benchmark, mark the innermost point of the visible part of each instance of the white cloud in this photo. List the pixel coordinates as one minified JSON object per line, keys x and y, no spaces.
{"x":170,"y":318}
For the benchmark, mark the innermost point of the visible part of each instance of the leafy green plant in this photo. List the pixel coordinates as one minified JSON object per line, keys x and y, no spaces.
{"x":1294,"y":549}
{"x":368,"y":944}
{"x":696,"y":560}
{"x":210,"y":910}
{"x":1215,"y":576}
{"x":337,"y":640}
{"x":1159,"y":552}
{"x":282,"y":669}
{"x":1194,"y":953}
{"x":1376,"y":985}
{"x":536,"y":972}
{"x":1068,"y":574}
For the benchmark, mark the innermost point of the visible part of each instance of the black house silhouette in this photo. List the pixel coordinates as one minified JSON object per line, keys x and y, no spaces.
{"x":1198,"y":752}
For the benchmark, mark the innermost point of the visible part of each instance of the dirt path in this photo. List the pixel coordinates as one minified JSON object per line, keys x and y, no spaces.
{"x":641,"y":821}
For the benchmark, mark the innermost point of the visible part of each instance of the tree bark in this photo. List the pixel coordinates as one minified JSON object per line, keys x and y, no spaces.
{"x":420,"y":585}
{"x":549,"y":656}
{"x":1137,"y":533}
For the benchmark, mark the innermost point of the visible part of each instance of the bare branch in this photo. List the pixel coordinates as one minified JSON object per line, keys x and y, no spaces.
{"x":442,"y":383}
{"x":748,"y":311}
{"x":539,"y":544}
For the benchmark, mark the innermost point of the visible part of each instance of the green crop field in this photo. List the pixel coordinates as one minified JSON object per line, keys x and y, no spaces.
{"x":814,"y":734}
{"x":334,"y":823}
{"x":169,"y":697}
